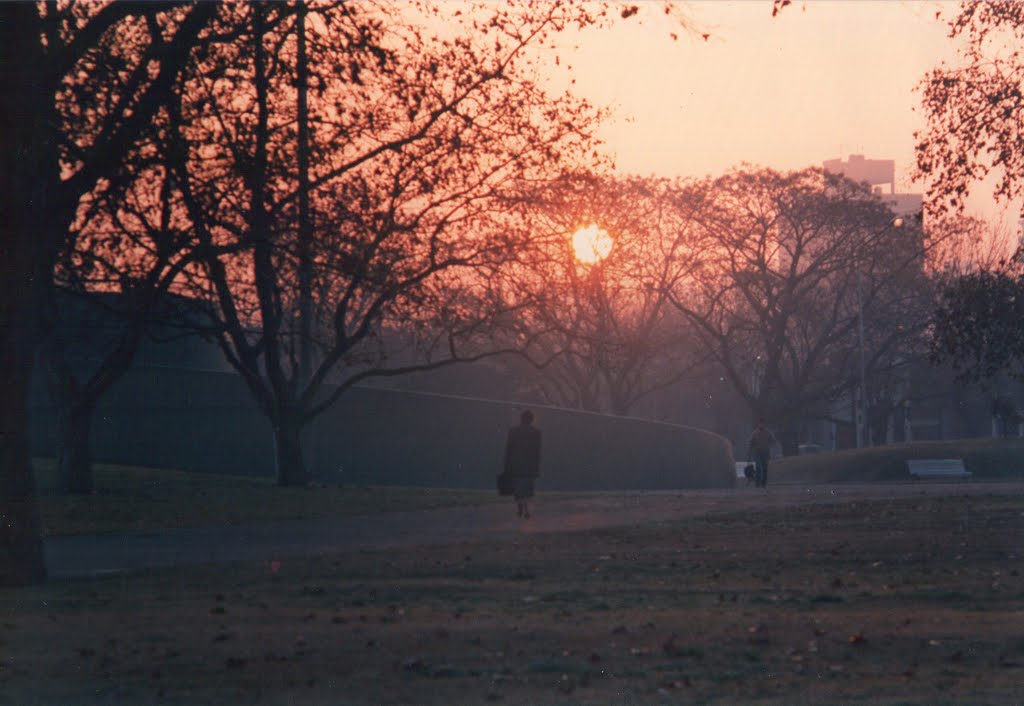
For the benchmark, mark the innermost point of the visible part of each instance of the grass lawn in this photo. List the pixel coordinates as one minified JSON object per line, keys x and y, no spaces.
{"x":132,"y":498}
{"x":143,"y":499}
{"x":910,"y":601}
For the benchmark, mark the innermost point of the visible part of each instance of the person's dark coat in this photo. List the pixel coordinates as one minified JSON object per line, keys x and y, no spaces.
{"x":522,"y":452}
{"x":761,"y":442}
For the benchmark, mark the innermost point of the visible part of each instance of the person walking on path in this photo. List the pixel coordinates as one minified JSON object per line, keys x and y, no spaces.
{"x":522,"y":460}
{"x":760,"y":449}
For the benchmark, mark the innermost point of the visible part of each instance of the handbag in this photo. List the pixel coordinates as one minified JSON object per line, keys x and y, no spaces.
{"x":505,"y":484}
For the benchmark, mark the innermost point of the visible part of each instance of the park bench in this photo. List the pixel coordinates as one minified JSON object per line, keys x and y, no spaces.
{"x":945,"y":468}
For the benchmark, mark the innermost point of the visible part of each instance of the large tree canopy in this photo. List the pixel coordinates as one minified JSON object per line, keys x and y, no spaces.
{"x":805,"y":278}
{"x":348,"y":160}
{"x":602,"y":326}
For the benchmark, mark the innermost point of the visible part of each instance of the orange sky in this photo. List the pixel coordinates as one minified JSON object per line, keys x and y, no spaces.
{"x":824,"y":79}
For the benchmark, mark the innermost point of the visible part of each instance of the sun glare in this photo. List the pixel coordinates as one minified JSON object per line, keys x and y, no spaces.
{"x":591,"y":244}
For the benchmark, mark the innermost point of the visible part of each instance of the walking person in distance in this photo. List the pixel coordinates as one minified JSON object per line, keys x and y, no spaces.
{"x":760,"y":450}
{"x":522,"y":460}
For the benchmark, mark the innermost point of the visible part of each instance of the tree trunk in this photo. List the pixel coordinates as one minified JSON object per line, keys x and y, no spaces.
{"x":27,"y":151}
{"x":74,"y":458}
{"x":76,"y":402}
{"x":291,"y":467}
{"x":74,"y":420}
{"x":21,"y":546}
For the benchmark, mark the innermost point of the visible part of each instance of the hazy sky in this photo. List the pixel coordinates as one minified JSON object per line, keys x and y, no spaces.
{"x":824,"y":79}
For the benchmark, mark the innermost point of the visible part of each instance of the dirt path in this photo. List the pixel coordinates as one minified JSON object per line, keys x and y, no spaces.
{"x":91,"y":555}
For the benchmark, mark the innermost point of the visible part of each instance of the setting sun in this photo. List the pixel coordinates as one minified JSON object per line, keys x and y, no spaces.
{"x":591,"y":244}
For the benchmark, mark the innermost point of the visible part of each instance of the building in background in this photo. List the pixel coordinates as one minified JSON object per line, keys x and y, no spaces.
{"x":879,"y":174}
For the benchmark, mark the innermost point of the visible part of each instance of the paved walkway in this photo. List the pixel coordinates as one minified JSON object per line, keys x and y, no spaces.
{"x":91,"y":555}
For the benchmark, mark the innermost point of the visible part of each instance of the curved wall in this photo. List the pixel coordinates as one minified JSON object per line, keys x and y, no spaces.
{"x":207,"y":421}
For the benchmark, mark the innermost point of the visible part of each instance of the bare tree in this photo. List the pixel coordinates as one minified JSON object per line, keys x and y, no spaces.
{"x":609,"y":337}
{"x":132,"y":248}
{"x":959,"y":244}
{"x":80,"y":106}
{"x":356,"y":157}
{"x":973,"y":108}
{"x":805,"y":281}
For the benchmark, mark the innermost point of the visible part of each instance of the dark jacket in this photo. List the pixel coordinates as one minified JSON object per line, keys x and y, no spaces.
{"x":522,"y":451}
{"x":761,"y":442}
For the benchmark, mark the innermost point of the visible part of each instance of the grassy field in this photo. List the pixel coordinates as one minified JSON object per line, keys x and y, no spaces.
{"x":911,"y":601}
{"x":143,"y":499}
{"x":984,"y":458}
